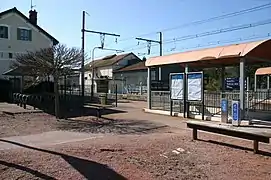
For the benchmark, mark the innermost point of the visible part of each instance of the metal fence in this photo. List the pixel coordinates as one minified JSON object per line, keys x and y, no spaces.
{"x":128,"y":89}
{"x":254,"y":101}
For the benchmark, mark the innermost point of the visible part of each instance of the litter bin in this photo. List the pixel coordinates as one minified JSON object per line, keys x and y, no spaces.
{"x":224,"y":110}
{"x":103,"y":98}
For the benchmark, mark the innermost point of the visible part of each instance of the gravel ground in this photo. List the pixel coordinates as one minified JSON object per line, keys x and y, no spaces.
{"x":144,"y":157}
{"x":25,"y":124}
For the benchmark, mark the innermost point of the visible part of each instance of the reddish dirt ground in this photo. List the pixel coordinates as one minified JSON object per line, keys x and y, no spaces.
{"x":137,"y":150}
{"x":25,"y":124}
{"x":138,"y":157}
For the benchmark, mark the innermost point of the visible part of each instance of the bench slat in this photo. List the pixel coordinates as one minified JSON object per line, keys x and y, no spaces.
{"x":229,"y":132}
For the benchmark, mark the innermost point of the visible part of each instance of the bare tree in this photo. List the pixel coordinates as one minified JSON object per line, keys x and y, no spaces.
{"x":55,"y":61}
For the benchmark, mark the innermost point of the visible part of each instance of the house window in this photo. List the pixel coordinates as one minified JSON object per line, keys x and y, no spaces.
{"x":24,"y":34}
{"x":1,"y":55}
{"x":3,"y":32}
{"x":10,"y":55}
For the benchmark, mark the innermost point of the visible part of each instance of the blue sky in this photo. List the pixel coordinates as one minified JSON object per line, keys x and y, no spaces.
{"x":131,"y":18}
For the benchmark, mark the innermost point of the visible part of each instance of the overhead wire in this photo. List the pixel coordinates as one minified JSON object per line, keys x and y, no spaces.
{"x":198,"y":22}
{"x":209,"y":33}
{"x":220,"y":42}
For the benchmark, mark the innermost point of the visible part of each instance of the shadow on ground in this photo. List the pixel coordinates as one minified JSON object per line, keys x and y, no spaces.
{"x":107,"y":125}
{"x":75,"y":110}
{"x":89,"y":169}
{"x":235,"y":146}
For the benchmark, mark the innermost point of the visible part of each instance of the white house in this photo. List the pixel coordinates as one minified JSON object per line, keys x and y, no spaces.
{"x":104,"y":68}
{"x":19,"y":34}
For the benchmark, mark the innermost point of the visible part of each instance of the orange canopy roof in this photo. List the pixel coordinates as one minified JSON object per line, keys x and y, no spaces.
{"x":263,"y":71}
{"x":217,"y":53}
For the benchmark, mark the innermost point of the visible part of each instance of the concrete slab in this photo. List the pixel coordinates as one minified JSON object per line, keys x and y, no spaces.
{"x":193,"y":116}
{"x":215,"y":118}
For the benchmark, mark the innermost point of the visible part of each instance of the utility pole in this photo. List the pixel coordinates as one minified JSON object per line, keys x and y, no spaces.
{"x":102,"y":36}
{"x":83,"y":57}
{"x":149,"y":41}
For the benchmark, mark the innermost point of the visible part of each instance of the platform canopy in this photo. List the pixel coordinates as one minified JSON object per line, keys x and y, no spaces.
{"x":263,"y":71}
{"x":218,"y":56}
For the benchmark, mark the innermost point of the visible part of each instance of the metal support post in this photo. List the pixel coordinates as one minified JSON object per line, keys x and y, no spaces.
{"x":242,"y":88}
{"x":83,"y":58}
{"x":186,"y":104}
{"x":255,"y":82}
{"x":149,"y":88}
{"x":268,"y":82}
{"x":161,"y":54}
{"x":223,"y":82}
{"x":116,"y":91}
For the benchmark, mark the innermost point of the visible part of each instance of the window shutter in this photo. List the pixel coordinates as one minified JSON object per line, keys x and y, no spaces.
{"x":30,"y":35}
{"x":6,"y":32}
{"x":18,"y":34}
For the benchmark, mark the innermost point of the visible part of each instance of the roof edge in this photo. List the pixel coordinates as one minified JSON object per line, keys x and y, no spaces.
{"x":15,"y":10}
{"x":245,"y":51}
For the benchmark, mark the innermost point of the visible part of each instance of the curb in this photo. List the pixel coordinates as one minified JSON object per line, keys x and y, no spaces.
{"x":198,"y":117}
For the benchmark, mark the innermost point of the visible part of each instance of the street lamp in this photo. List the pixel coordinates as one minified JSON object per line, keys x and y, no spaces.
{"x":92,"y":64}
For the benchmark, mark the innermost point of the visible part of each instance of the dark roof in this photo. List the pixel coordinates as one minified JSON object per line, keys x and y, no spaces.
{"x":134,"y":67}
{"x":16,"y":72}
{"x":19,"y":71}
{"x":107,"y":61}
{"x":15,"y":10}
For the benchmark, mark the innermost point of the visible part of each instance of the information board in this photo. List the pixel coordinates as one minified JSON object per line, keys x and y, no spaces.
{"x":177,"y":86}
{"x":194,"y":86}
{"x":233,"y":83}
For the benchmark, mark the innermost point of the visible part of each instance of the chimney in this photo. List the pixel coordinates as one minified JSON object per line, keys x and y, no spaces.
{"x":33,"y":16}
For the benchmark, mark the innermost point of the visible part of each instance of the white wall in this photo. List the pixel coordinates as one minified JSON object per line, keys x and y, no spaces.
{"x":105,"y":71}
{"x":12,"y":45}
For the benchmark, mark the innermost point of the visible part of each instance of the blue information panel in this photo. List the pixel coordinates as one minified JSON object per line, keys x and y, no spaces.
{"x":224,"y":105}
{"x":233,"y":83}
{"x":235,"y":113}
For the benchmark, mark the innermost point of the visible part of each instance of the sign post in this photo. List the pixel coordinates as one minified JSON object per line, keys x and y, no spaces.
{"x":236,"y":113}
{"x":224,"y":110}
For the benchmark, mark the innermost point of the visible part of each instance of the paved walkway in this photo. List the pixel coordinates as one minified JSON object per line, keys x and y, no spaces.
{"x":15,"y":109}
{"x":46,"y":139}
{"x":134,"y":111}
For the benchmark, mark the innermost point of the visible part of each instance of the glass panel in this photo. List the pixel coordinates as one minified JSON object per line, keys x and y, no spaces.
{"x":3,"y":32}
{"x":25,"y":34}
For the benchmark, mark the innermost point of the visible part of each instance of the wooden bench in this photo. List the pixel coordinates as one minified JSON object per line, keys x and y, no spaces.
{"x":229,"y":131}
{"x":99,"y":108}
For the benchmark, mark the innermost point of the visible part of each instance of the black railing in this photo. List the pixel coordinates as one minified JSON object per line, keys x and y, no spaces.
{"x":254,"y":101}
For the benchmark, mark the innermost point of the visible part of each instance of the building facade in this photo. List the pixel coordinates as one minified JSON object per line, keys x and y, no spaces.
{"x":132,"y":79}
{"x":19,"y":34}
{"x":104,"y":68}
